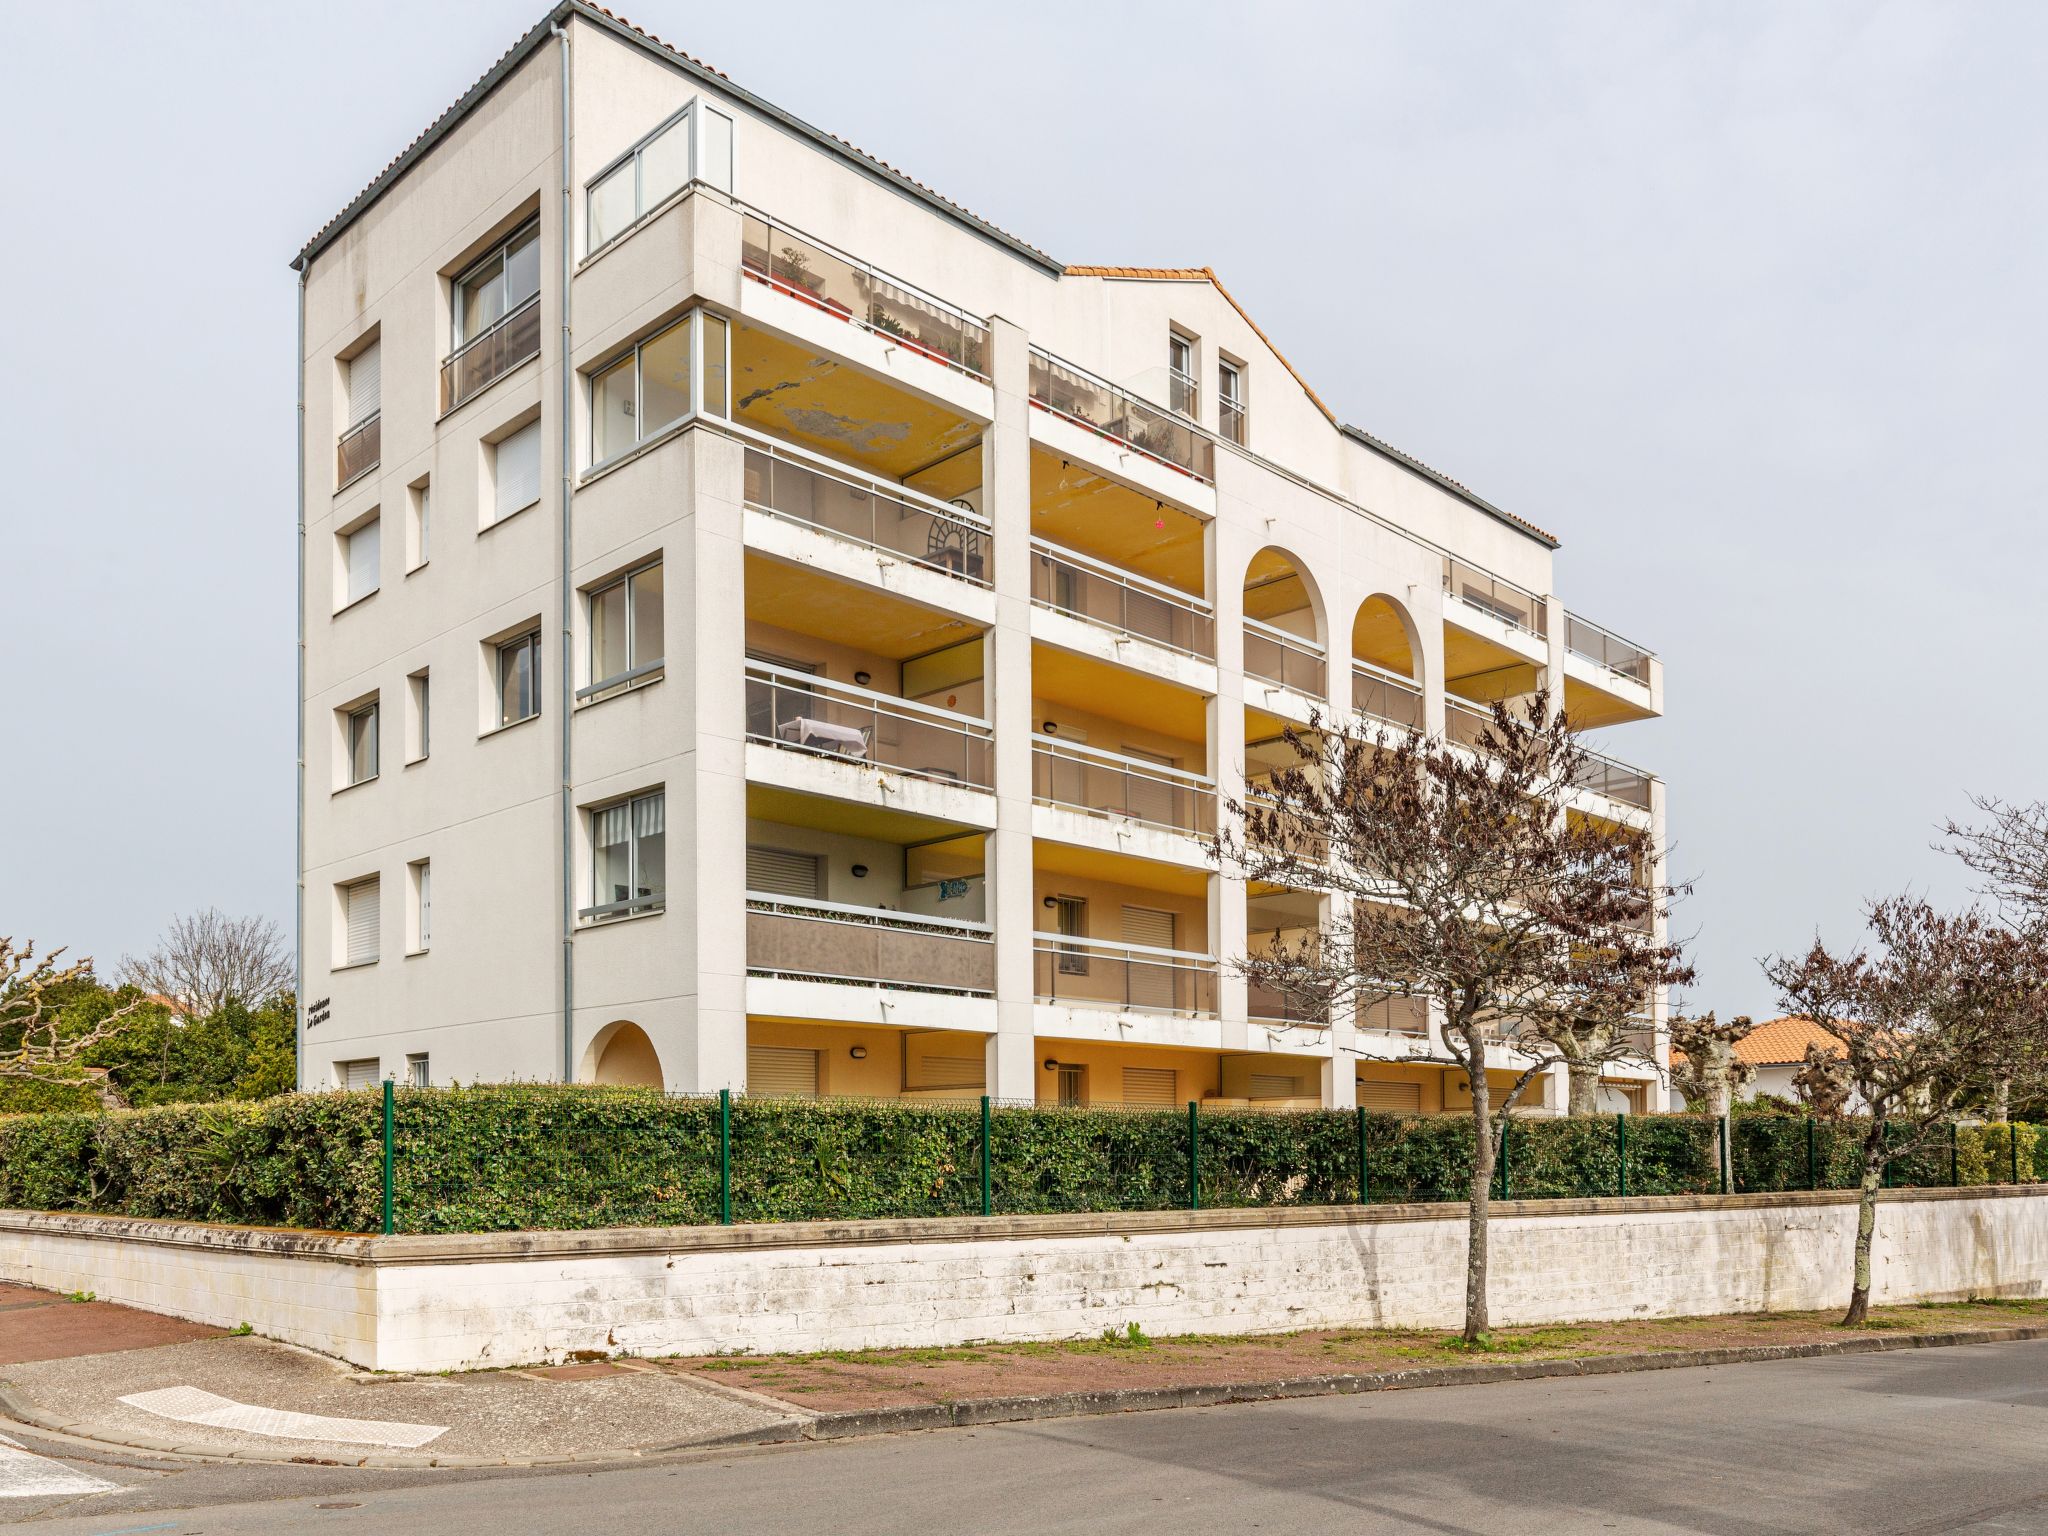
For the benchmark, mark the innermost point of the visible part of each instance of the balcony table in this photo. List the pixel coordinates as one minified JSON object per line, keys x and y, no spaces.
{"x":842,"y":739}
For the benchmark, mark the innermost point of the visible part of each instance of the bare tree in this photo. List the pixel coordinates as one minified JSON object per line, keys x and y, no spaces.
{"x":207,"y":958}
{"x":1458,"y":879}
{"x":2009,"y":855}
{"x":34,"y":1044}
{"x":1707,"y":1070}
{"x":1945,"y":1006}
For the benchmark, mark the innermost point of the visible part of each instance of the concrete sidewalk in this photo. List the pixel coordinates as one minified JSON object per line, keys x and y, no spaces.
{"x":122,"y":1377}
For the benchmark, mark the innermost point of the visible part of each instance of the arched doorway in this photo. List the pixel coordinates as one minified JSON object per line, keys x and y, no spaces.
{"x":1386,"y":664}
{"x":623,"y":1056}
{"x":1283,"y":627}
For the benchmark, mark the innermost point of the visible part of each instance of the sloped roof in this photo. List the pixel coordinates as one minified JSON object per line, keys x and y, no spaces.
{"x":1783,"y":1042}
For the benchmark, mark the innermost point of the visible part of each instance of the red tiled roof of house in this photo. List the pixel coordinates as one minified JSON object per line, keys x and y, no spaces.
{"x":1783,"y":1042}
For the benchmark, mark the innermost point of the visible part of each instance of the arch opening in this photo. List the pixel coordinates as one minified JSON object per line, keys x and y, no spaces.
{"x":621,"y":1055}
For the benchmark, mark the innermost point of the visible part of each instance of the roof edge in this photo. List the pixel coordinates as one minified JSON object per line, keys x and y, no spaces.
{"x":1470,"y":498}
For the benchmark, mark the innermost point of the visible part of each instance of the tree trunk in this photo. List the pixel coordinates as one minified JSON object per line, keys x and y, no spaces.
{"x":1585,"y":1088}
{"x":1482,"y":1190}
{"x":1866,"y":1225}
{"x":2001,"y":1101}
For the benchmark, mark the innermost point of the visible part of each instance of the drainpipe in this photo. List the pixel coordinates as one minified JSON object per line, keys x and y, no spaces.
{"x":299,"y":847}
{"x":566,"y":670}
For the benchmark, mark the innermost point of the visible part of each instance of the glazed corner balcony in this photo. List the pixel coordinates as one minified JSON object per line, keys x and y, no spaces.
{"x":1108,"y":784}
{"x":1098,"y":406}
{"x":791,"y":939}
{"x":800,"y":712}
{"x":1603,"y":648}
{"x":1517,"y":607}
{"x":841,"y":286}
{"x":892,"y":520}
{"x":1122,"y":978}
{"x":1069,"y":582}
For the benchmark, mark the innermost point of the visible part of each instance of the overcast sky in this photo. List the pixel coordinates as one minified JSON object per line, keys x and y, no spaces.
{"x":1745,"y":302}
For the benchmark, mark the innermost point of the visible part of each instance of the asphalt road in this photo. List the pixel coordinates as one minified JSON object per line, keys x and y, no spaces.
{"x":1919,"y":1441}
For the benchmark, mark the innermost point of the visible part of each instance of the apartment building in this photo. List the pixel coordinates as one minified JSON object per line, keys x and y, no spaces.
{"x":766,"y":627}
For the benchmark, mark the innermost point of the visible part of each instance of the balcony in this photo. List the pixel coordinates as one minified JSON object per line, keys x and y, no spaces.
{"x":790,"y":939}
{"x":1464,"y":722}
{"x":1287,"y":660}
{"x":1516,"y":607}
{"x":359,"y":450}
{"x":1066,"y":581}
{"x":490,"y":354}
{"x":1110,"y":784}
{"x":1604,"y":648}
{"x":1100,"y":407}
{"x":951,"y":538}
{"x":1404,"y":1016}
{"x":1126,"y":978}
{"x":835,"y":284}
{"x":1385,"y":696}
{"x":1269,"y":1005}
{"x":1615,"y":779}
{"x":801,"y":712}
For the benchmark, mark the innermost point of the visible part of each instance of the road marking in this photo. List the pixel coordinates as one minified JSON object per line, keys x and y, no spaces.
{"x":25,"y":1475}
{"x":193,"y":1406}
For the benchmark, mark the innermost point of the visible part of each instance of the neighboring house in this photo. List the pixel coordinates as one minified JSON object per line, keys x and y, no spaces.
{"x":177,"y":1011}
{"x":1777,"y":1049}
{"x":688,"y":492}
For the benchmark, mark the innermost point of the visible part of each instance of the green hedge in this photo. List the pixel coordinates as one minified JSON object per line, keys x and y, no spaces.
{"x":535,"y":1157}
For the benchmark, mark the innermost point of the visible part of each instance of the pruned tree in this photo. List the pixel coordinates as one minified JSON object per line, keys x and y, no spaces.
{"x":208,"y":958}
{"x":34,"y":1040}
{"x":2009,"y":855}
{"x":1822,"y":1083}
{"x":1458,"y":879}
{"x":1707,"y":1071}
{"x":1944,"y":1005}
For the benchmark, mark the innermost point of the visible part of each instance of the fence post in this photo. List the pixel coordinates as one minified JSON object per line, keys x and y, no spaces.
{"x":725,"y":1157}
{"x":1621,"y":1155}
{"x":1505,"y":1126}
{"x":1955,"y":1168}
{"x":1727,"y":1163}
{"x":1364,"y":1189}
{"x":2012,"y":1147}
{"x":390,"y":1088}
{"x":987,"y":1204}
{"x":1812,"y":1153}
{"x":1194,"y":1155}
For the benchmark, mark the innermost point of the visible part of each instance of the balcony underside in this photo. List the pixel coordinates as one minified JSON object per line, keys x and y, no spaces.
{"x":848,"y":1003}
{"x":840,"y":560}
{"x":1121,"y":461}
{"x":1594,"y":696}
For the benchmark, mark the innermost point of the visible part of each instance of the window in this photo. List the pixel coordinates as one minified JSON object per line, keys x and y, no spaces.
{"x":781,"y":1071}
{"x":1070,"y":918}
{"x":361,"y":550}
{"x":365,"y":372}
{"x":421,"y":938}
{"x":359,"y":916}
{"x":658,"y":167}
{"x":501,"y":282}
{"x":359,"y":743}
{"x":1230,"y":401}
{"x":519,"y":679}
{"x":629,"y":866}
{"x":1149,"y":1085}
{"x":422,"y":717}
{"x":625,"y":631}
{"x":1182,"y":387}
{"x":357,"y":1075}
{"x":780,"y":872}
{"x":420,"y":526}
{"x":361,"y":441}
{"x":416,"y":1073}
{"x":651,"y":387}
{"x":515,"y":472}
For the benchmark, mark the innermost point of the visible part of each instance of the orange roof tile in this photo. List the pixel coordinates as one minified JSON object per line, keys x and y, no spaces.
{"x":1783,"y":1042}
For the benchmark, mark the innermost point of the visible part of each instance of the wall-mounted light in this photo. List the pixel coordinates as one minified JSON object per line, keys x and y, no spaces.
{"x":1050,"y":727}
{"x":859,"y":1053}
{"x":860,"y":871}
{"x":1051,"y":902}
{"x":1051,"y":1065}
{"x":862,"y":678}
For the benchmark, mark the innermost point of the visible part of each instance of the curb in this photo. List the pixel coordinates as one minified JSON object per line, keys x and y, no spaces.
{"x":802,"y":1425}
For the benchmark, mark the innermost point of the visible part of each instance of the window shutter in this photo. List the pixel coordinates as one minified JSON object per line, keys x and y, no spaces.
{"x":363,"y":547}
{"x":778,"y":872}
{"x":782,"y":1072}
{"x":517,"y":460}
{"x":362,"y":922}
{"x":1149,"y":1085}
{"x":359,"y":1074}
{"x":426,"y":906}
{"x":365,"y":371}
{"x":1271,"y":1085}
{"x":1390,"y":1098}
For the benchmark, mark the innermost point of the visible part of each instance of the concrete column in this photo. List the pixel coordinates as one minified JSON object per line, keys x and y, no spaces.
{"x":1225,"y":554}
{"x":1012,"y":1051}
{"x":1660,"y":1002}
{"x":1553,"y":672}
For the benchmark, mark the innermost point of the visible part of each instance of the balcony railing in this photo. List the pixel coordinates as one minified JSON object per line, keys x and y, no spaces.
{"x":1069,"y":582}
{"x":1132,"y":978}
{"x":1270,"y":1005}
{"x":1464,"y":722}
{"x":1275,"y":656}
{"x":803,"y":940}
{"x":1082,"y":778}
{"x":1383,"y":695}
{"x":359,"y":449}
{"x":1615,"y":779}
{"x":1230,"y":419}
{"x":890,"y":518}
{"x":1407,"y":1016}
{"x":838,"y":285}
{"x":1606,"y":649}
{"x":1512,"y":605}
{"x":1101,"y":407}
{"x":800,"y":712}
{"x":491,"y":354}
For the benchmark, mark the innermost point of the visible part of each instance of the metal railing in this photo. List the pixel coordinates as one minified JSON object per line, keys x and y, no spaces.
{"x":490,"y":354}
{"x":1230,"y":420}
{"x":1384,"y":695}
{"x":1293,"y":832}
{"x":1502,"y":599}
{"x":1464,"y":722}
{"x":1101,"y":407}
{"x":1606,"y":649}
{"x":1407,"y":1016}
{"x":799,"y":711}
{"x":882,"y":516}
{"x":1069,"y":582}
{"x":1132,"y":978}
{"x":802,"y":940}
{"x":1085,"y":778}
{"x":1276,"y":656}
{"x":1270,"y":1005}
{"x":359,"y":449}
{"x":1615,"y":779}
{"x":831,"y":281}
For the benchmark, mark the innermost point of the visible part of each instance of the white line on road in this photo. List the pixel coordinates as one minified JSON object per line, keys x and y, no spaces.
{"x":194,"y":1406}
{"x":25,"y":1475}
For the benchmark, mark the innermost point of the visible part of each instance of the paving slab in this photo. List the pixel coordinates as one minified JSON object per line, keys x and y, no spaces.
{"x":42,"y":1325}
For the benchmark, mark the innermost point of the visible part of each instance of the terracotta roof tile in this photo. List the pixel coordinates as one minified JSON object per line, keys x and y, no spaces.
{"x":1783,"y":1042}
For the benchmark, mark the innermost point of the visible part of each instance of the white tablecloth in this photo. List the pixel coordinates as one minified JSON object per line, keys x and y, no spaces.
{"x":823,"y":733}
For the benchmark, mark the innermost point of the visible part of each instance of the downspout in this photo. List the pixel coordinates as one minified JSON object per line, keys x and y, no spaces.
{"x":566,"y":670}
{"x":299,"y":854}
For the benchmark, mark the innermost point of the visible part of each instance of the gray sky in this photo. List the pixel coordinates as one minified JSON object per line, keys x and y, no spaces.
{"x":1745,"y":302}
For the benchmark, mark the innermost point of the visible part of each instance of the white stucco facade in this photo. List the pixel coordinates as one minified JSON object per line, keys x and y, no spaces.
{"x":960,"y":628}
